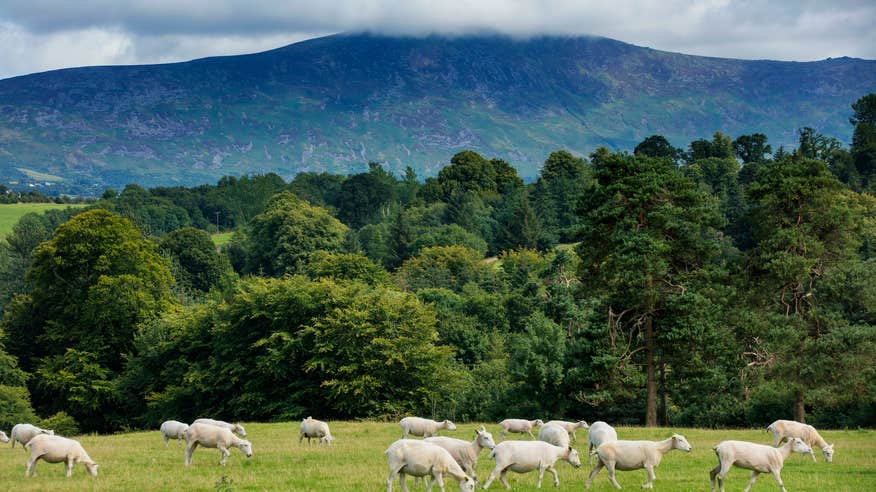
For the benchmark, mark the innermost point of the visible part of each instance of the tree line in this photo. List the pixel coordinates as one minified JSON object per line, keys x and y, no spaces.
{"x":724,"y":284}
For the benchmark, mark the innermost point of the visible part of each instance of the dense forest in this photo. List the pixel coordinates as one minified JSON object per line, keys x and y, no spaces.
{"x":723,"y":284}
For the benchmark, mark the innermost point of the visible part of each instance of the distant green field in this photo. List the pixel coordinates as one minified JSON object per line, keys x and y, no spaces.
{"x":139,"y":461}
{"x":38,"y":176}
{"x":221,"y":239}
{"x":11,"y":212}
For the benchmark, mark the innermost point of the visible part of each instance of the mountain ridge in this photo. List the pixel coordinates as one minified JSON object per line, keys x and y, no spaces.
{"x":334,"y":103}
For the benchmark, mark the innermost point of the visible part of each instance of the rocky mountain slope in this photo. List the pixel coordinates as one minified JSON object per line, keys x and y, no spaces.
{"x":334,"y":103}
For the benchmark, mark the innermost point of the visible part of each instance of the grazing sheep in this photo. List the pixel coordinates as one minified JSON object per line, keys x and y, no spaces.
{"x":554,"y":434}
{"x":782,"y":430}
{"x":633,"y":455}
{"x":597,"y":434}
{"x":25,"y":432}
{"x":172,"y":429}
{"x":466,"y":453}
{"x":3,"y":437}
{"x":570,"y":427}
{"x":314,"y":429}
{"x":758,"y":458}
{"x":211,"y":436}
{"x":419,"y":459}
{"x":57,"y":449}
{"x":237,"y":428}
{"x":519,"y":425}
{"x":423,"y":427}
{"x":527,"y":456}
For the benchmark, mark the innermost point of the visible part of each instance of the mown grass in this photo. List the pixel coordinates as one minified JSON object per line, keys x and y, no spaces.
{"x":221,"y":238}
{"x":11,"y":212}
{"x":139,"y":461}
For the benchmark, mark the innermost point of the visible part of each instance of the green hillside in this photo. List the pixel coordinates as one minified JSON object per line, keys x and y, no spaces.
{"x":11,"y":212}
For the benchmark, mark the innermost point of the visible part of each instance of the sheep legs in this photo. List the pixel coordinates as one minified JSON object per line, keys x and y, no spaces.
{"x":777,"y":475}
{"x":556,"y":477}
{"x":753,"y":478}
{"x":190,"y":448}
{"x":438,"y":477}
{"x":504,"y":479}
{"x":225,"y":454}
{"x":651,"y":477}
{"x":30,"y":469}
{"x":593,"y":473}
{"x":501,"y":473}
{"x":165,"y":439}
{"x":716,"y":473}
{"x":777,"y":439}
{"x":471,"y":471}
{"x":610,"y":468}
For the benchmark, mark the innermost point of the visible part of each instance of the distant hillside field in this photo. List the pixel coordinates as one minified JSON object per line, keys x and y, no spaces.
{"x":335,"y":103}
{"x":355,"y":462}
{"x":11,"y":212}
{"x":221,"y":239}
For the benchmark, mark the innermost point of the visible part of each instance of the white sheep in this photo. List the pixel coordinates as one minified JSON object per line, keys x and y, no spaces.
{"x":597,"y":434}
{"x":419,"y":459}
{"x":3,"y":437}
{"x":464,"y":452}
{"x":172,"y":429}
{"x":782,"y":430}
{"x":25,"y":432}
{"x":527,"y":456}
{"x":554,"y":434}
{"x":759,"y":458}
{"x":633,"y":455}
{"x":423,"y":427}
{"x":315,"y":429}
{"x":519,"y":426}
{"x":225,"y":425}
{"x":570,"y":427}
{"x":57,"y":449}
{"x":211,"y":436}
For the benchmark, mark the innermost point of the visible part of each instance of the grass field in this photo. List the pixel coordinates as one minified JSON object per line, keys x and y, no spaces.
{"x":11,"y":212}
{"x":139,"y":461}
{"x":221,"y":238}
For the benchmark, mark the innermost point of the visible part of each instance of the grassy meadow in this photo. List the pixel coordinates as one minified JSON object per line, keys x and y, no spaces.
{"x":221,"y":238}
{"x":139,"y":461}
{"x":11,"y":212}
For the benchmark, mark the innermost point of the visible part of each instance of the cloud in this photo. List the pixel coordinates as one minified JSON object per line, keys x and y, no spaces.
{"x":43,"y":34}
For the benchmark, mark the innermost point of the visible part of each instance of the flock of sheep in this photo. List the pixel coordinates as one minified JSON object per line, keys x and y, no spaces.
{"x":456,"y":458}
{"x":437,"y":456}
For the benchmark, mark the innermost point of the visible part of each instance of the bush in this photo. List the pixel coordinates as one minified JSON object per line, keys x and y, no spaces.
{"x":61,"y":423}
{"x":15,"y":406}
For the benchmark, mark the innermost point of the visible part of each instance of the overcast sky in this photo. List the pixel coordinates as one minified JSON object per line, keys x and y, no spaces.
{"x":38,"y":35}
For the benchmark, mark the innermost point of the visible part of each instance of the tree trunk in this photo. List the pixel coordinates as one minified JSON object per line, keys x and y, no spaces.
{"x":664,"y":399}
{"x":799,"y":408}
{"x":651,"y":372}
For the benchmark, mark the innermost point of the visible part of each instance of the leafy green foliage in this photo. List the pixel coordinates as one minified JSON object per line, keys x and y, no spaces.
{"x":200,"y":265}
{"x":646,"y":228}
{"x":281,"y":237}
{"x":346,"y":266}
{"x":73,"y":331}
{"x":697,"y":292}
{"x":450,"y":267}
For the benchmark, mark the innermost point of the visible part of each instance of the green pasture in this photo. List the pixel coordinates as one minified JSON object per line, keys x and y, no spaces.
{"x":11,"y":212}
{"x":355,"y":462}
{"x":221,"y":238}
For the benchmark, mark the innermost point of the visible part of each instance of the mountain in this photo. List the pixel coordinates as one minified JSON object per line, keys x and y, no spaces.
{"x":334,"y":103}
